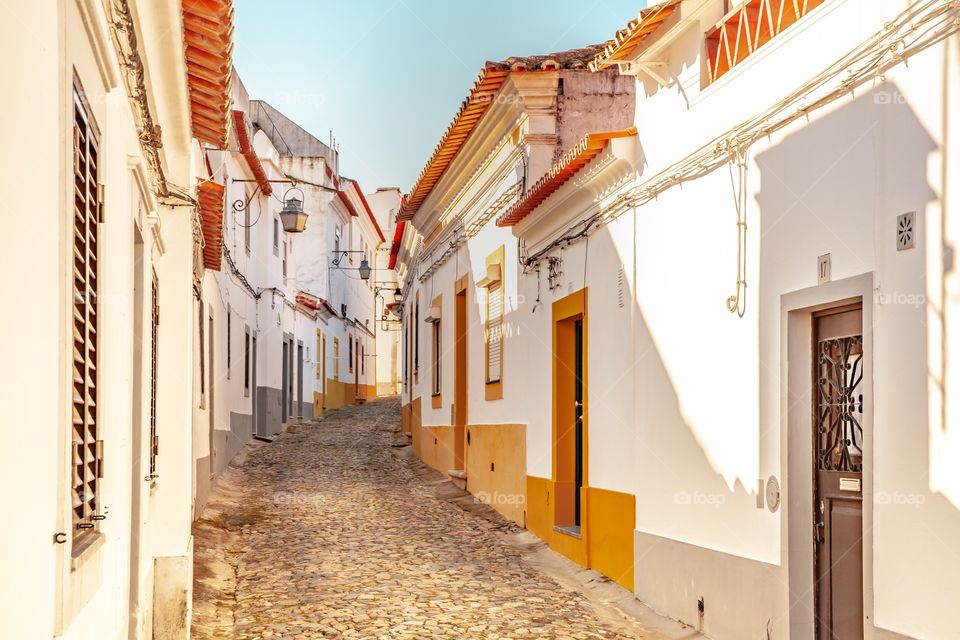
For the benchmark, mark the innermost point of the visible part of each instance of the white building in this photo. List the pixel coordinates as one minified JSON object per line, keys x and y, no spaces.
{"x":778,"y":214}
{"x":291,"y":319}
{"x":101,"y":254}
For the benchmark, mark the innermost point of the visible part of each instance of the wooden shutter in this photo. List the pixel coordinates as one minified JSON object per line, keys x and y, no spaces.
{"x":87,"y":449}
{"x":494,"y":331}
{"x":154,"y":333}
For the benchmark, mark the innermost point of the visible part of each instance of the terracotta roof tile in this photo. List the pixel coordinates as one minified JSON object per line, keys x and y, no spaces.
{"x":626,"y":40}
{"x":565,"y":168}
{"x":479,"y":98}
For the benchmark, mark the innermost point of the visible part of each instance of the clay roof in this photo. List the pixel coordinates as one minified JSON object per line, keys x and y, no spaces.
{"x":211,"y":223}
{"x":626,"y":40}
{"x":246,"y":148}
{"x":208,"y":40}
{"x":395,"y":246}
{"x":342,"y":195}
{"x":479,"y":98}
{"x":565,"y":168}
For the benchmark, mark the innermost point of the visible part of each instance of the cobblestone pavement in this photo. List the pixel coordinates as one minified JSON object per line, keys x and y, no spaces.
{"x":325,"y":533}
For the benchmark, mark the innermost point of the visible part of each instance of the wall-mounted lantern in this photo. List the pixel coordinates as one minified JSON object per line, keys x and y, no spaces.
{"x":292,"y":216}
{"x":364,"y":269}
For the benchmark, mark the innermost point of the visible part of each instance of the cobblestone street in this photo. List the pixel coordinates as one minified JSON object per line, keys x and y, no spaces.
{"x":331,"y":532}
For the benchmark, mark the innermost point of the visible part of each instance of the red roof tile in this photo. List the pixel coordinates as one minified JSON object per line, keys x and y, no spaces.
{"x":246,"y":148}
{"x":626,"y":40}
{"x":208,"y":50}
{"x":211,"y":223}
{"x":569,"y":164}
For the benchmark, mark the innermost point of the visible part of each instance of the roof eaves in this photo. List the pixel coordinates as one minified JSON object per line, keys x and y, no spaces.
{"x":626,"y":40}
{"x":569,"y":164}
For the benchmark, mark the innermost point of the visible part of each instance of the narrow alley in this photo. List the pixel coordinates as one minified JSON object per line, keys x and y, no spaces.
{"x":330,"y":531}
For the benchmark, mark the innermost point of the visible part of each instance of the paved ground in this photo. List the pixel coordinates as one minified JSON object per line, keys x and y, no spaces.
{"x":329,"y":533}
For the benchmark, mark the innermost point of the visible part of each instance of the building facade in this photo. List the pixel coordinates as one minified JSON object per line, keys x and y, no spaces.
{"x":725,"y":331}
{"x":111,"y":133}
{"x":179,"y":316}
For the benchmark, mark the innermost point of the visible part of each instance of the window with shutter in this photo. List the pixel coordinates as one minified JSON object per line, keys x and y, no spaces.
{"x":416,"y":335}
{"x":436,"y":357}
{"x":154,"y":325}
{"x":494,"y":331}
{"x":87,"y":448}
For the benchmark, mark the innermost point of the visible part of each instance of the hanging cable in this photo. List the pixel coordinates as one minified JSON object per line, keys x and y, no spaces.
{"x":737,"y":303}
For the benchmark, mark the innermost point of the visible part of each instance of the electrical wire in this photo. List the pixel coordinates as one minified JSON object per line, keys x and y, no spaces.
{"x":922,"y":25}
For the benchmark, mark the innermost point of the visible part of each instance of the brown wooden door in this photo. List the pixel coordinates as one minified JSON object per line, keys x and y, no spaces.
{"x":838,"y":472}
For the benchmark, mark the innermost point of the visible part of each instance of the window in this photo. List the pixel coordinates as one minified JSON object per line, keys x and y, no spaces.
{"x":246,"y":222}
{"x":363,"y":359}
{"x":284,"y":259}
{"x":154,"y":325}
{"x":87,"y":448}
{"x":319,"y":357}
{"x":336,"y":242}
{"x":416,"y":336}
{"x":276,"y":236}
{"x":436,"y":357}
{"x":246,"y":361}
{"x":228,"y":342}
{"x":203,"y":388}
{"x":494,"y":331}
{"x":336,"y":358}
{"x":350,"y":354}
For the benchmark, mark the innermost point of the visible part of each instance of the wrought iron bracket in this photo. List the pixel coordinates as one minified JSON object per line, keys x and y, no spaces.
{"x":341,"y":255}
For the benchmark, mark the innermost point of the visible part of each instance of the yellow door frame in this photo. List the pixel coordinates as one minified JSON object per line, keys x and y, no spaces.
{"x":565,"y":312}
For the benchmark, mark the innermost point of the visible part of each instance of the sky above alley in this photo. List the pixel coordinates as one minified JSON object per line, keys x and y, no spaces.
{"x":387,"y":76}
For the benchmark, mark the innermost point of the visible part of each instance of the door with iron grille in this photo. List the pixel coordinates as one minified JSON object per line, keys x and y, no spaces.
{"x":838,"y":472}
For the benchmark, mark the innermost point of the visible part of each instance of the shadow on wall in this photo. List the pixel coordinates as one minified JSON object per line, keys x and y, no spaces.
{"x":838,"y":186}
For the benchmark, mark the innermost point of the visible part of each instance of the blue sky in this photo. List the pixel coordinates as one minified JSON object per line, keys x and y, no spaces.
{"x":388,"y":75}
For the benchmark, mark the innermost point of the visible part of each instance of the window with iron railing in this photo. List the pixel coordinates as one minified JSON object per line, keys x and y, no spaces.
{"x":86,"y":445}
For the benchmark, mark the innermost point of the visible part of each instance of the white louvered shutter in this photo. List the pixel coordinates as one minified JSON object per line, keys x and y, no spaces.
{"x":494,"y":331}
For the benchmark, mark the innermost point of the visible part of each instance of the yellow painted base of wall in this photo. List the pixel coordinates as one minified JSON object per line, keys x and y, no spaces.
{"x":608,"y":519}
{"x":341,"y":393}
{"x":434,"y":446}
{"x":497,"y":468}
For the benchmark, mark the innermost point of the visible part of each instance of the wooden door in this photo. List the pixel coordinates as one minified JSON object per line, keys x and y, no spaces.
{"x":284,"y":384}
{"x":838,"y":472}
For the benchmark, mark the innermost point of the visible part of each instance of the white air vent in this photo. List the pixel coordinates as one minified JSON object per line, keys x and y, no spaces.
{"x":906,"y":230}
